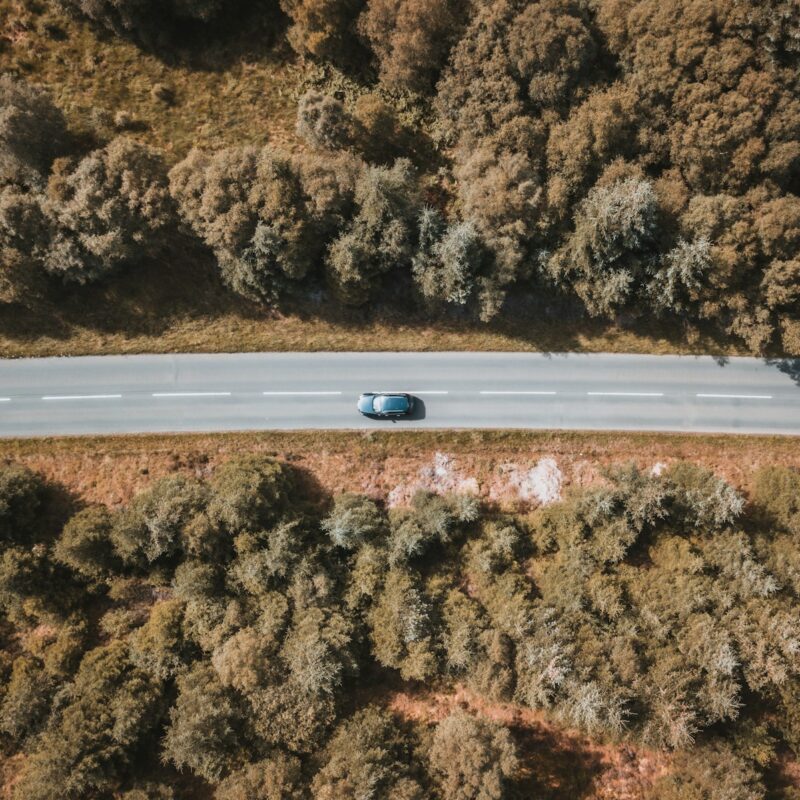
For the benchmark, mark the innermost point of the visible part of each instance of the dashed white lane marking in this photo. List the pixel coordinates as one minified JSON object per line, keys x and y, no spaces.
{"x":191,"y":394}
{"x":295,"y":394}
{"x":81,"y":397}
{"x":738,"y":396}
{"x":519,"y":392}
{"x":427,"y":391}
{"x":5,"y":399}
{"x":625,"y":394}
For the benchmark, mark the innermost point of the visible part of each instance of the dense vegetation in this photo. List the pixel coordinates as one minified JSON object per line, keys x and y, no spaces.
{"x":234,"y":631}
{"x":629,"y":158}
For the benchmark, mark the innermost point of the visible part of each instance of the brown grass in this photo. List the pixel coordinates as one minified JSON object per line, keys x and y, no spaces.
{"x":112,"y":469}
{"x":235,"y":88}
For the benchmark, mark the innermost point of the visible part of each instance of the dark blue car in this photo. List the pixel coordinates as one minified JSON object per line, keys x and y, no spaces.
{"x":386,"y":404}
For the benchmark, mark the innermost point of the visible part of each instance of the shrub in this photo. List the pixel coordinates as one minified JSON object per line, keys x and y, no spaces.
{"x":86,"y":544}
{"x":32,"y":132}
{"x":107,"y":209}
{"x":471,"y":758}
{"x":323,"y":122}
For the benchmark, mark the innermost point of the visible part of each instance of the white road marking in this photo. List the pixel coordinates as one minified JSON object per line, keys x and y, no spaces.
{"x":520,"y":392}
{"x":625,"y":394}
{"x":738,"y":396}
{"x":82,"y":397}
{"x":427,"y":391}
{"x":191,"y":394}
{"x":293,"y":394}
{"x":5,"y":399}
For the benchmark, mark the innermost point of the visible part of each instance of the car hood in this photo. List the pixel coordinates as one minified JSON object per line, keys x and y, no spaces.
{"x":365,"y":403}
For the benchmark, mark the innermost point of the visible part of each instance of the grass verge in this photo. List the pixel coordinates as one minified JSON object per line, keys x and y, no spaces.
{"x":112,"y":469}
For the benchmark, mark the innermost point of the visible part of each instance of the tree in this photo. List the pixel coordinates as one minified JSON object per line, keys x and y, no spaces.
{"x":33,"y":132}
{"x":277,"y":777}
{"x":381,"y":235}
{"x":400,"y":628}
{"x":605,"y":256}
{"x":472,"y":759}
{"x":248,"y":206}
{"x":107,"y":209}
{"x":151,"y":528}
{"x":205,"y":727}
{"x":447,"y":258}
{"x":713,"y":772}
{"x":366,"y":757}
{"x":322,"y":28}
{"x":86,"y":544}
{"x":87,"y":747}
{"x":411,"y":39}
{"x":21,"y":495}
{"x":323,"y":122}
{"x":249,"y":493}
{"x":354,"y":520}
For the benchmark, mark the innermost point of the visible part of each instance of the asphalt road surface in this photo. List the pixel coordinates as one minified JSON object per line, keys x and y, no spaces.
{"x":152,"y":393}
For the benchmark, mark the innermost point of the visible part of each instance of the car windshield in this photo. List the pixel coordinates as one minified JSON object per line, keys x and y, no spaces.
{"x":391,"y":403}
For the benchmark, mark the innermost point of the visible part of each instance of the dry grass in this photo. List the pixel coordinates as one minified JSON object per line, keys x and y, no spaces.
{"x":233,"y":89}
{"x":180,"y":305}
{"x":112,"y":469}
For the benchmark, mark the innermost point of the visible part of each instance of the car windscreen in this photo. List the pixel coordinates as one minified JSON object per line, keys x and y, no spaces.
{"x":392,"y":403}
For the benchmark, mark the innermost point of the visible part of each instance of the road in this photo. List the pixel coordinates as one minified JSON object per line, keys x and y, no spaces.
{"x":152,"y":393}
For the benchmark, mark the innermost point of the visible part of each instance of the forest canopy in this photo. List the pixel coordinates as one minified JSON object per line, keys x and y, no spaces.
{"x":628,"y":158}
{"x":237,"y":633}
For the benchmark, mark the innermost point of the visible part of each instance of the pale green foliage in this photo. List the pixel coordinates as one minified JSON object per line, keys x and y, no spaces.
{"x":606,"y":254}
{"x":354,"y":520}
{"x":447,"y":258}
{"x":380,"y":237}
{"x":151,"y":527}
{"x":323,"y":122}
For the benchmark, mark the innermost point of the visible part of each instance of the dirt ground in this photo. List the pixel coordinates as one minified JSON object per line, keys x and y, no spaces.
{"x":515,"y":470}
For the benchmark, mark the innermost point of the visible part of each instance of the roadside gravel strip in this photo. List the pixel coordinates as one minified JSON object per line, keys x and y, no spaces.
{"x":255,"y":391}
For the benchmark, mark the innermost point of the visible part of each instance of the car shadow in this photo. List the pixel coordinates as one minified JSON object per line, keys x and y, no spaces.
{"x":419,"y":411}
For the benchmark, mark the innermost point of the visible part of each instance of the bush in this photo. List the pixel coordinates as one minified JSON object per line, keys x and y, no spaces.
{"x":367,"y":756}
{"x":249,"y":493}
{"x":32,"y":133}
{"x":106,"y":210}
{"x":354,"y":520}
{"x":275,"y":778}
{"x":86,"y":544}
{"x":323,"y":122}
{"x":248,"y":206}
{"x":21,"y":495}
{"x":471,"y":758}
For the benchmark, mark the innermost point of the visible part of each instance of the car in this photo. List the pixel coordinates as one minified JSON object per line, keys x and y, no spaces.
{"x":386,"y":404}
